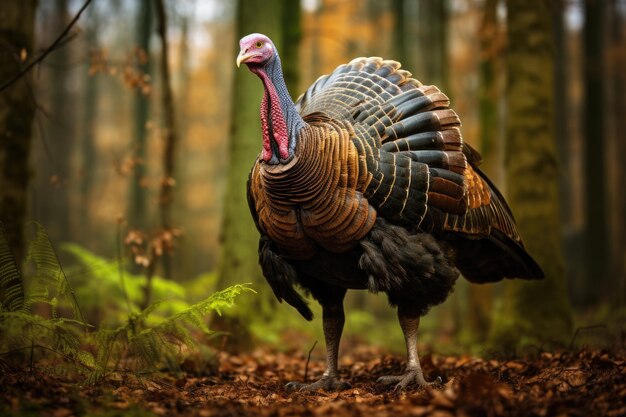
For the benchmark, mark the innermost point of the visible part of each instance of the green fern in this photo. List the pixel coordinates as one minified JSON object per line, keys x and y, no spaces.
{"x":49,"y":282}
{"x":19,"y":327}
{"x":149,"y":347}
{"x":98,"y":285}
{"x":147,"y":340}
{"x":11,"y":285}
{"x":22,"y":329}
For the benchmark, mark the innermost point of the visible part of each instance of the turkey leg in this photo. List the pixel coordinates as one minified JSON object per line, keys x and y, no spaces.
{"x":333,"y":320}
{"x":413,"y":372}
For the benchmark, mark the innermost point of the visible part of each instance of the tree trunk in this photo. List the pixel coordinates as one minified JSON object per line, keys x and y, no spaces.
{"x":166,"y":194}
{"x":239,"y":259}
{"x":55,"y":174}
{"x":290,"y":52}
{"x":17,"y":109}
{"x":138,"y":210}
{"x":480,"y":309}
{"x":618,"y":122}
{"x":400,"y":34}
{"x":187,"y":246}
{"x":88,"y":139}
{"x":433,"y":44}
{"x":565,"y":150}
{"x":596,"y":233}
{"x":171,"y":139}
{"x":540,"y":309}
{"x":561,"y":103}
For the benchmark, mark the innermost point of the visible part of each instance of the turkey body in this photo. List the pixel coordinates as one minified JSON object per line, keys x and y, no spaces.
{"x":382,"y":152}
{"x":371,"y":187}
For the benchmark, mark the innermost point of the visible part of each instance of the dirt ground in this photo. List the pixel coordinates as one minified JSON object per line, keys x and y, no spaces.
{"x":586,"y":383}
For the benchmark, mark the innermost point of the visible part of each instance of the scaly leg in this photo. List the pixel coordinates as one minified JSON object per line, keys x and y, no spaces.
{"x":413,"y":372}
{"x":333,"y":320}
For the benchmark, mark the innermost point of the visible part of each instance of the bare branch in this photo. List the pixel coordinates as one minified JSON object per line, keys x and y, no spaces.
{"x":45,"y":53}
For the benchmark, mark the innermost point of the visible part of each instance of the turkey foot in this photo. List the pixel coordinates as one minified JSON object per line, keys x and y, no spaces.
{"x":409,"y":324}
{"x":333,"y":319}
{"x":326,"y":383}
{"x":412,"y":375}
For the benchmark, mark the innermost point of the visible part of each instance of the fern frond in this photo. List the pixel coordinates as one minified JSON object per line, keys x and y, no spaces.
{"x":20,"y":328}
{"x":98,"y":279}
{"x":195,"y":314}
{"x":109,"y":344}
{"x":11,"y":284}
{"x":48,"y":270}
{"x":163,"y":342}
{"x":175,"y":330}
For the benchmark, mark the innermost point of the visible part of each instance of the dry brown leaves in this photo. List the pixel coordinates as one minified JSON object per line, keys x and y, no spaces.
{"x":573,"y":384}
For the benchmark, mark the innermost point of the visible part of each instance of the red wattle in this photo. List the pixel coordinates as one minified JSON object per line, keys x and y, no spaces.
{"x":279,"y":126}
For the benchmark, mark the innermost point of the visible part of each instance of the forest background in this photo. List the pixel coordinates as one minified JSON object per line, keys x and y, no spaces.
{"x":131,"y":142}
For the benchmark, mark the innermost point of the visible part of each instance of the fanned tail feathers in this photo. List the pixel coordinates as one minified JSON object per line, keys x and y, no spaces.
{"x":423,"y":175}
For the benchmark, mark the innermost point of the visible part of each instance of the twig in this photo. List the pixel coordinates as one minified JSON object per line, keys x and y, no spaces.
{"x":308,"y":359}
{"x":45,"y":53}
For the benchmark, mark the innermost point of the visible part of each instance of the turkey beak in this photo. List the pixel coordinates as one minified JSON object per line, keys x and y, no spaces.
{"x":243,"y":57}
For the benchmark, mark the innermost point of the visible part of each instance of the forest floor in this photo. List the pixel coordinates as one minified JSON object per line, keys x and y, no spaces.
{"x":585,"y":383}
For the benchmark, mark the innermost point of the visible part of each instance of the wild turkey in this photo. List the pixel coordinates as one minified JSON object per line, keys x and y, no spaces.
{"x":365,"y":183}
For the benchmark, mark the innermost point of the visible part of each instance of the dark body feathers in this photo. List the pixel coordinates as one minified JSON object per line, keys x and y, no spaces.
{"x":381,"y":194}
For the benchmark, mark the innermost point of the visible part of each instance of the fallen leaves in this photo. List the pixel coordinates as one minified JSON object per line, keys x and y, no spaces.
{"x":583,"y":383}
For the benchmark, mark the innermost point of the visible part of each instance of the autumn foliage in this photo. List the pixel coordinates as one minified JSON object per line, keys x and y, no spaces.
{"x":543,"y":384}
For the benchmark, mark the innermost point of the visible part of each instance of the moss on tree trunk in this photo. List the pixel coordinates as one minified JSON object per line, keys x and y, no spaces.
{"x":538,"y":310}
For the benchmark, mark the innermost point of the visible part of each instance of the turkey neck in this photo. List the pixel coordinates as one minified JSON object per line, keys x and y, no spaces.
{"x":280,"y":121}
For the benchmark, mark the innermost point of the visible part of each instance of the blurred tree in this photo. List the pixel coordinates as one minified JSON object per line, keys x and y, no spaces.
{"x":166,"y":193}
{"x":184,"y":75}
{"x":400,"y":34}
{"x":561,"y":103}
{"x":533,"y":310}
{"x":183,"y":262}
{"x":316,"y":49}
{"x":480,"y":297}
{"x":566,"y":151}
{"x":88,"y":137}
{"x":377,"y":30}
{"x":290,"y":53}
{"x":54,"y":171}
{"x":616,"y":52}
{"x":432,"y":26}
{"x":490,"y":63}
{"x":597,"y":285}
{"x":138,"y":210}
{"x":17,"y":109}
{"x":239,"y":260}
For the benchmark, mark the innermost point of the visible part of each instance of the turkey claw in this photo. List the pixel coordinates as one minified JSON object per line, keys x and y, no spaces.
{"x":325,"y":383}
{"x":403,"y":381}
